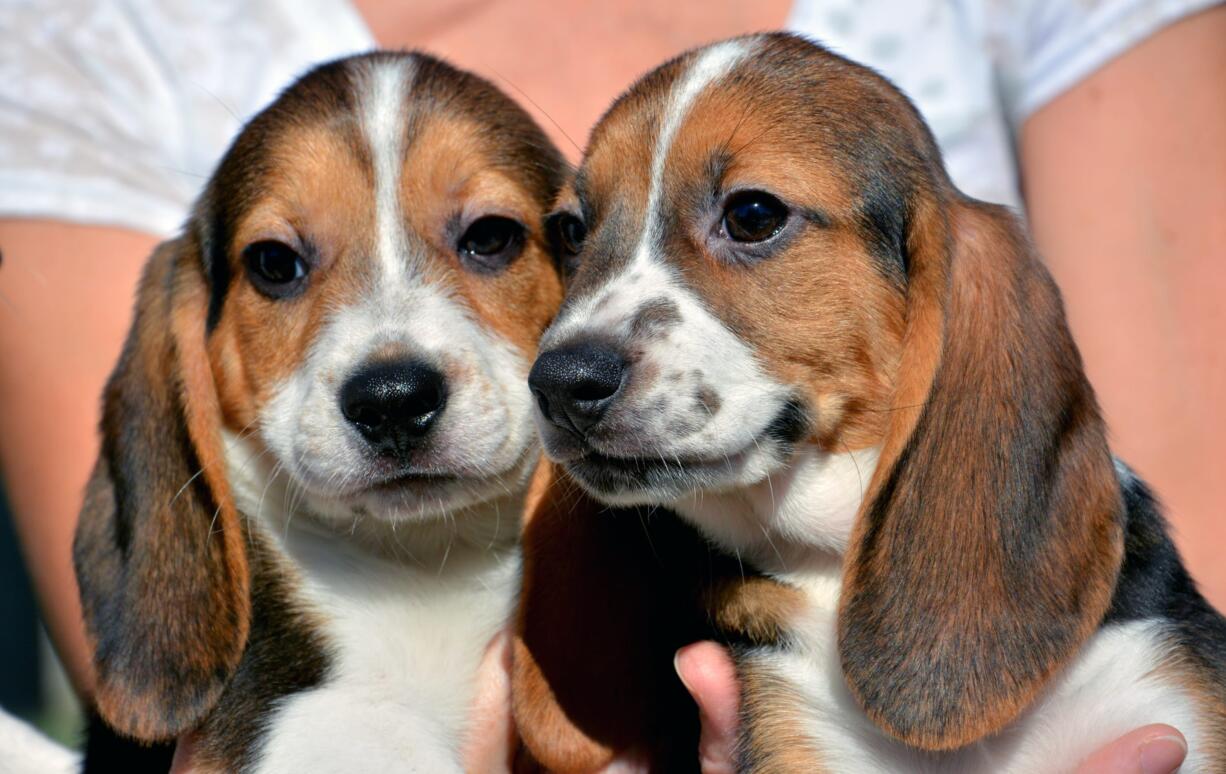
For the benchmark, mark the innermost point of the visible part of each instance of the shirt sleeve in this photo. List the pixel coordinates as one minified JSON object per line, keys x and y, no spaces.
{"x":1058,"y":43}
{"x":115,"y":113}
{"x":89,"y":129}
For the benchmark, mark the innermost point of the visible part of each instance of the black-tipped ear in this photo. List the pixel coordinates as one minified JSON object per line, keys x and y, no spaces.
{"x":159,"y":552}
{"x":987,"y":550}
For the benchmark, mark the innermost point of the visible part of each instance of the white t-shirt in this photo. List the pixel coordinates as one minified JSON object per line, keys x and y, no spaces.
{"x":116,"y":112}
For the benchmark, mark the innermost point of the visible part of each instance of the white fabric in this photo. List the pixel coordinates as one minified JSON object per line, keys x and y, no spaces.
{"x":977,"y":69}
{"x":115,"y":112}
{"x":23,"y":750}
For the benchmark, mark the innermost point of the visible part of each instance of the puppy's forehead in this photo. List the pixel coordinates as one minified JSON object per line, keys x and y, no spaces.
{"x":773,"y":90}
{"x":374,"y":111}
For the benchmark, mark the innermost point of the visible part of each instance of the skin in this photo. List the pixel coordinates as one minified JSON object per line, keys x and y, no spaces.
{"x":1132,"y":250}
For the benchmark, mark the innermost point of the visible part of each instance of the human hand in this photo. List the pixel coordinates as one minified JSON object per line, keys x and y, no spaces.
{"x":707,"y":672}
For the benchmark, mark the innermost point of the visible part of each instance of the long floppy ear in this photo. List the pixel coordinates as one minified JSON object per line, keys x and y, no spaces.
{"x":159,"y":552}
{"x":600,"y":618}
{"x":987,"y":550}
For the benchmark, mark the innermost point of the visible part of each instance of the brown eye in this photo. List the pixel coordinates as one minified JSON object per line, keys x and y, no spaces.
{"x":754,"y":216}
{"x":275,"y":269}
{"x":491,"y":242}
{"x":567,"y":233}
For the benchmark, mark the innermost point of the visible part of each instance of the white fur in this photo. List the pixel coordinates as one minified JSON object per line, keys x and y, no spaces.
{"x":810,"y":504}
{"x":1108,"y":690}
{"x":406,"y":613}
{"x":383,"y":124}
{"x":408,"y":584}
{"x":726,"y":445}
{"x":484,"y":438}
{"x":795,"y":526}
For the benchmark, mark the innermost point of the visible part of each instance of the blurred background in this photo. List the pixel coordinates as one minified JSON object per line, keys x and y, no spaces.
{"x":1103,"y":121}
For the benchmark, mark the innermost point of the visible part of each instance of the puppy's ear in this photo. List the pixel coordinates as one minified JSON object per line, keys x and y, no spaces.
{"x":159,"y":551}
{"x":600,"y":618}
{"x":987,"y":549}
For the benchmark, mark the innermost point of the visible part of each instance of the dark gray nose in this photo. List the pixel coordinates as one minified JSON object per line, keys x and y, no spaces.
{"x":394,"y":404}
{"x":575,"y":384}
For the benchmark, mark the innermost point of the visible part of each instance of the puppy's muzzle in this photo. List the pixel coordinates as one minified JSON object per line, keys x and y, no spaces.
{"x":575,"y":384}
{"x":394,"y":404}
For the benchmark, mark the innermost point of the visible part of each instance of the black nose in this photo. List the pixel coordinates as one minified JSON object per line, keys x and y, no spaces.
{"x":393,"y":404}
{"x":575,"y":384}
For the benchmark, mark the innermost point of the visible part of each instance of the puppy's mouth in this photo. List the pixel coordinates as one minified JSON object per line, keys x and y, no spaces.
{"x":663,"y":478}
{"x":412,"y":482}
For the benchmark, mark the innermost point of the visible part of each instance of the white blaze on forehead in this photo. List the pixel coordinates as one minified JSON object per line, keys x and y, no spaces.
{"x":383,"y":124}
{"x":709,"y":66}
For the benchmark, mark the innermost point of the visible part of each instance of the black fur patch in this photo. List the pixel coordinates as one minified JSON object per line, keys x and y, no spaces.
{"x":107,"y":752}
{"x":285,"y":655}
{"x":1153,"y":582}
{"x":654,"y":318}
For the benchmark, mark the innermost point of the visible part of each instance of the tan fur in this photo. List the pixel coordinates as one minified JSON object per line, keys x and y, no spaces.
{"x":168,"y":576}
{"x":1206,"y":690}
{"x":910,"y":319}
{"x":185,"y":540}
{"x":774,"y":733}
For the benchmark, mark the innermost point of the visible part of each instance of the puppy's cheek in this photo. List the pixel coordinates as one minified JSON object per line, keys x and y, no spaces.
{"x":487,"y":427}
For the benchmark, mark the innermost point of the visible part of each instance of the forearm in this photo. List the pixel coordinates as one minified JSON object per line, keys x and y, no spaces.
{"x":65,"y":303}
{"x":1125,"y":178}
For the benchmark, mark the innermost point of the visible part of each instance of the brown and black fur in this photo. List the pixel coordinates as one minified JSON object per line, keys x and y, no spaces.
{"x":192,"y":620}
{"x":996,"y":537}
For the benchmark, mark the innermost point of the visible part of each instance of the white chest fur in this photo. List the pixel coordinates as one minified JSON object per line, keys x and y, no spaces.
{"x":1109,"y":689}
{"x":796,"y":527}
{"x":406,"y":616}
{"x":406,"y":644}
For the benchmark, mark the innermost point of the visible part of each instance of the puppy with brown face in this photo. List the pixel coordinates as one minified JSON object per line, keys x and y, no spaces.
{"x":786,"y":324}
{"x":301,"y":534}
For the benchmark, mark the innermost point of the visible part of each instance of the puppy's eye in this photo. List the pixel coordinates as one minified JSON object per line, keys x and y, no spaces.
{"x":567,"y":233}
{"x":492,"y":241}
{"x":275,"y":269}
{"x":754,"y":216}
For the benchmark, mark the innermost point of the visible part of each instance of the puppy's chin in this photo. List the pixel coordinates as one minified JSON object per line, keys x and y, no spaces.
{"x":668,"y":478}
{"x":660,"y":481}
{"x":265,"y":486}
{"x":415,"y":497}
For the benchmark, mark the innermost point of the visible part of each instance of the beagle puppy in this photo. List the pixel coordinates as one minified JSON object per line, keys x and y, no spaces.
{"x":301,"y":533}
{"x":785,"y":324}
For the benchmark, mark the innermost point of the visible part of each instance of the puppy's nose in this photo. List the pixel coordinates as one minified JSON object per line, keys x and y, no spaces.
{"x":575,"y":384}
{"x":393,"y":404}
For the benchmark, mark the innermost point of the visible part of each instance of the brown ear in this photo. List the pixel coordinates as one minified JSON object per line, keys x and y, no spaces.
{"x":600,"y":618}
{"x":987,"y":551}
{"x":159,"y":552}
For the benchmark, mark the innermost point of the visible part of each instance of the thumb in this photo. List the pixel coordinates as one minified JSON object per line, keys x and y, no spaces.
{"x":1155,"y":749}
{"x":706,"y":670}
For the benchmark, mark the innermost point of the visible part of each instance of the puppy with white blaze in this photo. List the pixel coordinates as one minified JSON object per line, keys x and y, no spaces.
{"x":784,"y":323}
{"x":302,"y":531}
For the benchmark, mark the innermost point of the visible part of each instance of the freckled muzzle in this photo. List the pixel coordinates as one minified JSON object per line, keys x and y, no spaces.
{"x":575,"y":384}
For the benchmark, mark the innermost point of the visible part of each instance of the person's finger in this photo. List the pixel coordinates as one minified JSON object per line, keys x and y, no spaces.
{"x":491,"y":744}
{"x":1156,"y":749}
{"x":706,"y":670}
{"x":184,"y":753}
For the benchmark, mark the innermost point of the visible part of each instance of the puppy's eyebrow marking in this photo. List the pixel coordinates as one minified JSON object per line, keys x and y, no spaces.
{"x":710,"y":66}
{"x":383,"y":123}
{"x":655,"y":317}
